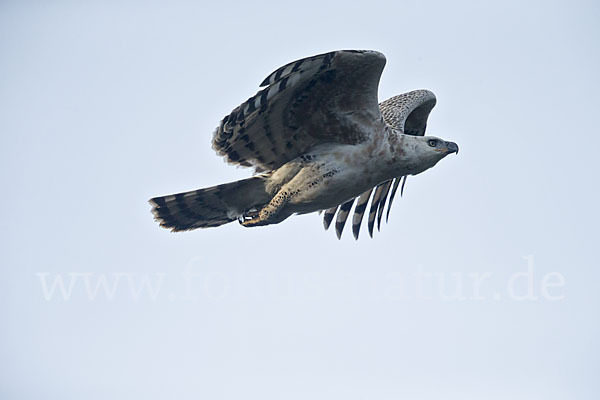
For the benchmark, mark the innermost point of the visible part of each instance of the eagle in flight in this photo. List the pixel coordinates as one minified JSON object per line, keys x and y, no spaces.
{"x":318,"y":140}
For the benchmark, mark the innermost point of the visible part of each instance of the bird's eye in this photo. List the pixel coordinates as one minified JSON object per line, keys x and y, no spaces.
{"x":432,"y":142}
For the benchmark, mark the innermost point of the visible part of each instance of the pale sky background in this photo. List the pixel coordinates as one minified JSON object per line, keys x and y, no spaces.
{"x":103,"y":106}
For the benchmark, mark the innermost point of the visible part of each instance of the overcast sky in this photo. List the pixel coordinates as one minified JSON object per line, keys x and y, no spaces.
{"x":484,"y":284}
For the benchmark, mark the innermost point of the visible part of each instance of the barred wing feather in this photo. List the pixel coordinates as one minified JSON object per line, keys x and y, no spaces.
{"x":331,"y":97}
{"x":408,"y":114}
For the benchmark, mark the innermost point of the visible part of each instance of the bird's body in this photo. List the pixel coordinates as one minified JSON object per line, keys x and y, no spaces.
{"x":318,"y":140}
{"x":332,"y":174}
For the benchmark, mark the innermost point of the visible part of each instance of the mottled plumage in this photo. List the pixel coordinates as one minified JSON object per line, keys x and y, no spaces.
{"x":318,"y":140}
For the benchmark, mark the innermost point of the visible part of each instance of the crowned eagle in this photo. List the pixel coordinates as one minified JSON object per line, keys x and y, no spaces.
{"x":318,"y":141}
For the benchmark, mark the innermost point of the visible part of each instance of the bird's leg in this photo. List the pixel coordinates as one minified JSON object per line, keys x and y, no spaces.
{"x":269,"y":214}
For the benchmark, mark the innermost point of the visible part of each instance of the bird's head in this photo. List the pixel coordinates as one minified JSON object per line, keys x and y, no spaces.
{"x":428,"y":150}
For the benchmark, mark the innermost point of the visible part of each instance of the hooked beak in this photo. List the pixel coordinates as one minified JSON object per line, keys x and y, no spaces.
{"x":452,"y":147}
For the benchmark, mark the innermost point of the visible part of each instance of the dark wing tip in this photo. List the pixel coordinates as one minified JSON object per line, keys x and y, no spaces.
{"x":328,"y":217}
{"x":392,"y":195}
{"x":356,"y":230}
{"x":339,"y":228}
{"x":382,"y":200}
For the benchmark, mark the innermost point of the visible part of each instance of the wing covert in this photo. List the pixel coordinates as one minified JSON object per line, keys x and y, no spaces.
{"x":331,"y":97}
{"x":408,"y":112}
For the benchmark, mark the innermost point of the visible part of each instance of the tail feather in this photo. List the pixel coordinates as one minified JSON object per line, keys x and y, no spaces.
{"x":209,"y":207}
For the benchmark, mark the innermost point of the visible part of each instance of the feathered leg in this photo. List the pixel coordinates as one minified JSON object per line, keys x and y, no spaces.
{"x":269,"y":214}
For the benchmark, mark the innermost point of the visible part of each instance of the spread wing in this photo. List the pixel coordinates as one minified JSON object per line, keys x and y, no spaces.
{"x":331,"y":97}
{"x":407,"y":113}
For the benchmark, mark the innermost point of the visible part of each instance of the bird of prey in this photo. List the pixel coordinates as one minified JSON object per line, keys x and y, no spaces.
{"x":318,"y":140}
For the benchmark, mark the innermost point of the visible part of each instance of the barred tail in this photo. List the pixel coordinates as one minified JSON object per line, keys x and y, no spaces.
{"x":213,"y":206}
